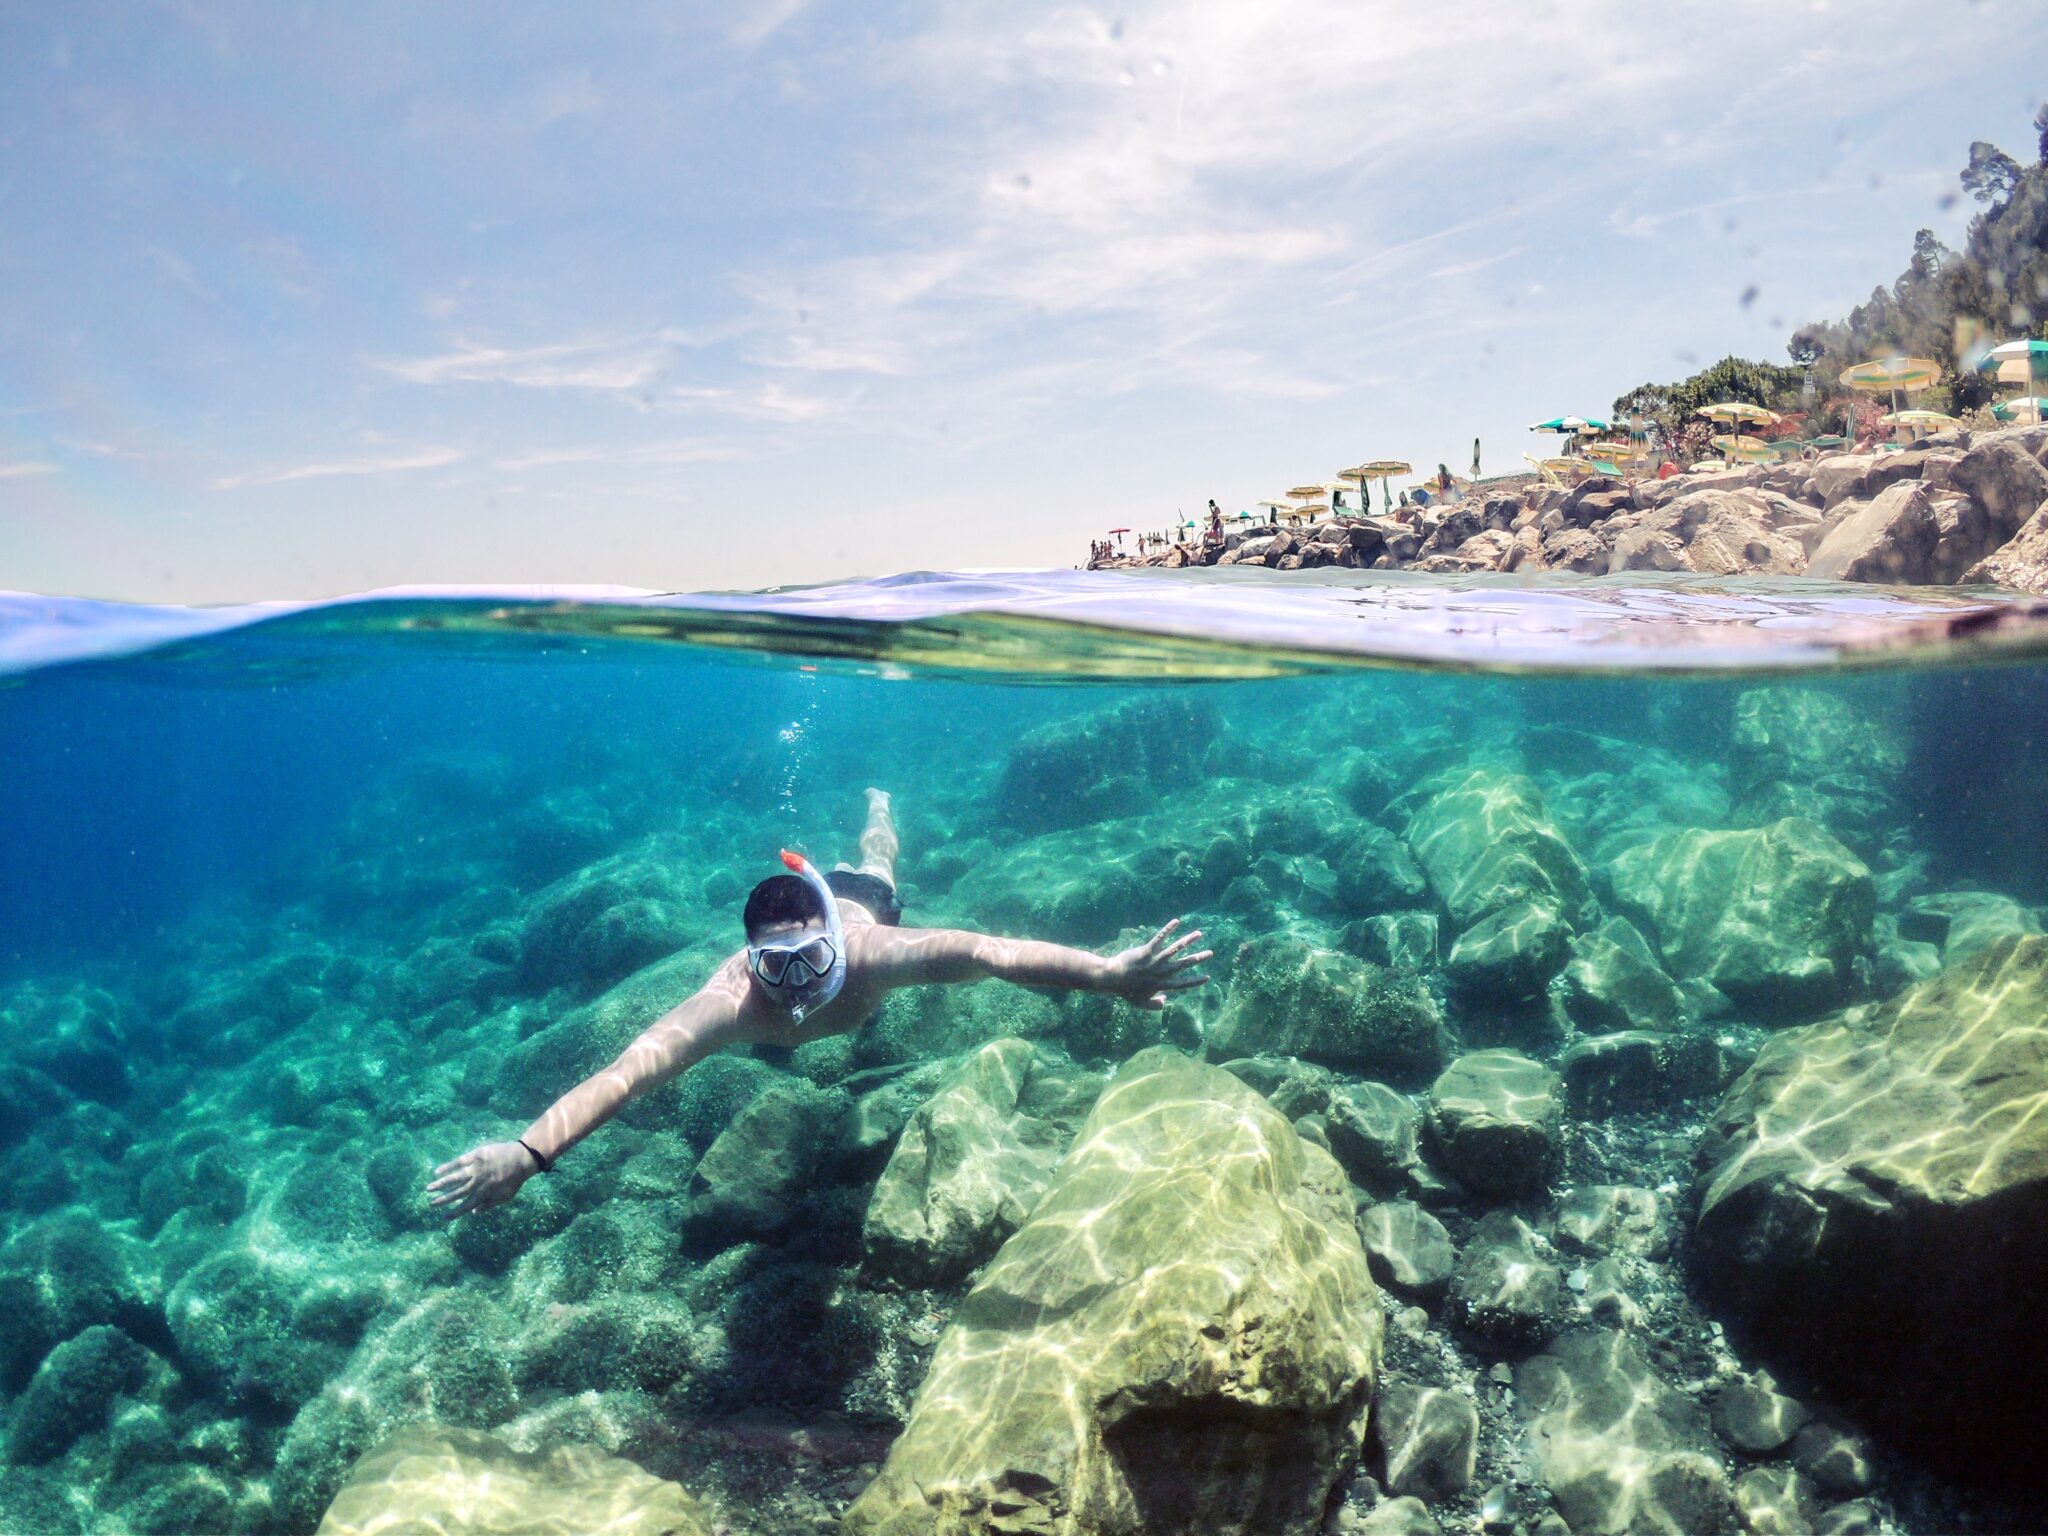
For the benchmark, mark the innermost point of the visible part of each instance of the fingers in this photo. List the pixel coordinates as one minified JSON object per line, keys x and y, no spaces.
{"x":1183,"y":983}
{"x":1180,"y":943}
{"x":1160,"y":937}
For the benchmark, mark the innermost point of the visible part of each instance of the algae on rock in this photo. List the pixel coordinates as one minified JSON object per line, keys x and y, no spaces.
{"x":1183,"y":1337}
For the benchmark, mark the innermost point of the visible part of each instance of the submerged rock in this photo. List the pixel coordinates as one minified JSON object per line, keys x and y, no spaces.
{"x":1375,"y":1133}
{"x":1504,"y":1289}
{"x":1634,"y":1071}
{"x":965,"y":1173}
{"x":1183,"y":1336}
{"x":1496,"y":1119}
{"x":1403,"y":941}
{"x":435,"y":1478}
{"x":1486,"y":842}
{"x":1613,"y":981}
{"x":1874,"y":1204}
{"x":1429,"y":1437}
{"x":754,"y":1178}
{"x":1619,"y":1449}
{"x":1408,"y":1248}
{"x":1104,"y":765}
{"x":1773,"y":916}
{"x":1509,"y":955}
{"x":1290,"y":998}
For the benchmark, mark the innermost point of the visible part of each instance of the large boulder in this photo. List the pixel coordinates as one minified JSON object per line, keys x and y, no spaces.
{"x":592,"y":929}
{"x":1613,"y":981}
{"x":2006,"y":483}
{"x":965,"y":1173}
{"x":753,"y":1180}
{"x":1290,"y":998}
{"x":431,"y":1477}
{"x":1182,"y":1337}
{"x":1486,"y":842}
{"x":1773,"y":916}
{"x":1509,"y":955}
{"x":1874,"y":1204}
{"x":1715,"y":532}
{"x":2021,"y":563}
{"x":1892,"y":537}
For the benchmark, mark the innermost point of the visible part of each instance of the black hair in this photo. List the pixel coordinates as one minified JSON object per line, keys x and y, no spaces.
{"x":782,"y":899}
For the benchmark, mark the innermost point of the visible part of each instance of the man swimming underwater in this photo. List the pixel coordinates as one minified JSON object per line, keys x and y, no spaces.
{"x":822,"y":952}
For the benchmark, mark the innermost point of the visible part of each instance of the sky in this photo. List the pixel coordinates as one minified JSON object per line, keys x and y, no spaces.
{"x":302,"y":299}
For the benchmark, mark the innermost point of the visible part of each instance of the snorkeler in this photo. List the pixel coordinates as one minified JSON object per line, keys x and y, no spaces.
{"x":822,"y":952}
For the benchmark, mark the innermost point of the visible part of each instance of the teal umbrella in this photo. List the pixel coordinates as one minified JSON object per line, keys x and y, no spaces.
{"x":2032,"y":408}
{"x":1571,"y":424}
{"x":2017,"y":361}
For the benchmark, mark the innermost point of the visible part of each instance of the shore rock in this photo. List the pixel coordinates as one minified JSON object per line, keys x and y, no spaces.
{"x":2004,"y":481}
{"x":1184,"y":1335}
{"x":2021,"y":563}
{"x":1874,"y":1204}
{"x":435,"y":1478}
{"x":965,"y":1173}
{"x":1496,"y":1119}
{"x":1773,"y":916}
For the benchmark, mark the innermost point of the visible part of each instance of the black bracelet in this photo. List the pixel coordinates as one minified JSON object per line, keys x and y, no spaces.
{"x":547,"y":1165}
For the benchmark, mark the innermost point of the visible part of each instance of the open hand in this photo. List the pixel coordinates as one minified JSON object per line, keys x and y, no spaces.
{"x":1145,"y":973}
{"x":490,"y":1175}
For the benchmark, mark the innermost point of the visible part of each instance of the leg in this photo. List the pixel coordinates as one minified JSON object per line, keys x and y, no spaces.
{"x":878,"y":844}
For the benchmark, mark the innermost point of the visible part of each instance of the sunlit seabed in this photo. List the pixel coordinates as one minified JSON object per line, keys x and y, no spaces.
{"x":300,"y":899}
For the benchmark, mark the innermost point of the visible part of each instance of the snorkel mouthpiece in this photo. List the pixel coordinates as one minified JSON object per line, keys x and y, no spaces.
{"x":821,"y":990}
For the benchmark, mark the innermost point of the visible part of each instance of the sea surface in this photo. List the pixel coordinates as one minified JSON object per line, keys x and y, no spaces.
{"x":298,"y":901}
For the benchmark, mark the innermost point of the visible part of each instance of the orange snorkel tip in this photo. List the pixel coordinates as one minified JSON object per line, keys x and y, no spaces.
{"x":793,"y":861}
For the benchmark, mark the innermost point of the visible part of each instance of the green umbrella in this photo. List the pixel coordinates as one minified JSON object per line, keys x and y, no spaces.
{"x":2031,"y":408}
{"x":2016,"y":361}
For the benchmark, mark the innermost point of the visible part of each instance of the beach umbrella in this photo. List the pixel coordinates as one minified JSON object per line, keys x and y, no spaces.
{"x":1921,"y":421}
{"x":2017,"y":360}
{"x":1892,"y":375}
{"x":1739,"y":413}
{"x":1307,"y":492}
{"x":1751,"y":449}
{"x":1570,"y":425}
{"x":1381,"y":470}
{"x":2030,"y":409}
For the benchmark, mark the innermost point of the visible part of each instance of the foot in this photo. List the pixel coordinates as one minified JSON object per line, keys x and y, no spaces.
{"x":878,"y":800}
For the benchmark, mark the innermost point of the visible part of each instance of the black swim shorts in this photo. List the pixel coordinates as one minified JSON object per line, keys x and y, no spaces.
{"x":871,"y":891}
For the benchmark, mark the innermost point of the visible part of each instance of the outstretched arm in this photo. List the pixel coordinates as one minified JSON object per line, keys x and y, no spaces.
{"x":494,"y":1172}
{"x":1142,"y":975}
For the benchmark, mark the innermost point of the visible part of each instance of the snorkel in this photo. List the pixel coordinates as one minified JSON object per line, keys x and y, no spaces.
{"x":815,"y":992}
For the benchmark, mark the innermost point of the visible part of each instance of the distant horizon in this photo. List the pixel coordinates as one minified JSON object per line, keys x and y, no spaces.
{"x":298,"y":306}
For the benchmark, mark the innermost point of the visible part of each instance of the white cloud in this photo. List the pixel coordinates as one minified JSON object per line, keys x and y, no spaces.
{"x":608,"y":366}
{"x":426,"y":458}
{"x":21,"y":469}
{"x":676,"y":451}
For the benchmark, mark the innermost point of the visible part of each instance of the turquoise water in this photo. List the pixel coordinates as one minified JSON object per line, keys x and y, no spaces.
{"x":297,"y":906}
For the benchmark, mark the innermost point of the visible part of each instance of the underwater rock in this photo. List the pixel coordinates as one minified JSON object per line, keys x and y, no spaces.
{"x":1509,"y":955}
{"x":1408,"y":1248}
{"x":964,"y":1175}
{"x":1600,"y":1219}
{"x":63,"y":1274}
{"x":754,"y":1178}
{"x":1429,"y":1437}
{"x":1486,"y":842}
{"x":76,"y":1036}
{"x":1619,"y":1449}
{"x":1374,"y":1133}
{"x":1105,"y":765}
{"x":1375,"y":873}
{"x":75,"y":1392}
{"x":1774,"y":1501}
{"x":1752,"y":1416}
{"x":1836,"y":1458}
{"x":493,"y":1240}
{"x":1633,"y":1071}
{"x":1613,"y":981}
{"x":1496,"y":1119}
{"x":233,"y":1319}
{"x":1503,"y":1289}
{"x":1963,"y":921}
{"x":584,"y":1040}
{"x":1288,"y":997}
{"x":1184,"y":1334}
{"x":1398,"y":1517}
{"x":1772,"y":916}
{"x":437,"y":1478}
{"x":1401,"y":941}
{"x":1855,"y":1149}
{"x":592,"y":929}
{"x":1292,"y":1086}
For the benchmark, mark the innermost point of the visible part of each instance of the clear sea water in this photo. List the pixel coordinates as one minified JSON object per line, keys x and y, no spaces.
{"x":286,"y":897}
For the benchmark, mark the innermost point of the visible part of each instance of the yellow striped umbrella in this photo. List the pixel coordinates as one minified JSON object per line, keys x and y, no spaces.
{"x":1739,"y":412}
{"x":1749,"y":449}
{"x":1309,"y":492}
{"x":1931,"y":421}
{"x":1892,"y":375}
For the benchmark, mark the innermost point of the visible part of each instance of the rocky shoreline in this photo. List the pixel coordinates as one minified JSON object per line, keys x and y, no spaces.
{"x":1968,"y":507}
